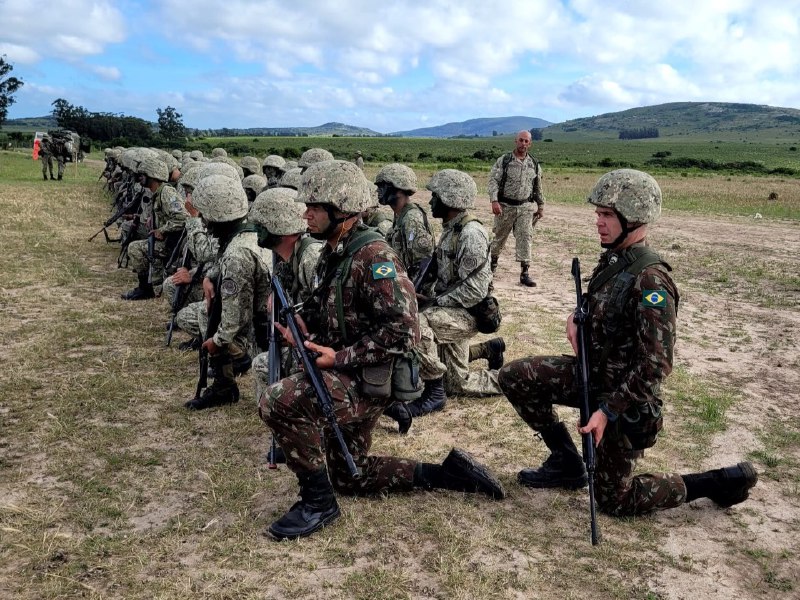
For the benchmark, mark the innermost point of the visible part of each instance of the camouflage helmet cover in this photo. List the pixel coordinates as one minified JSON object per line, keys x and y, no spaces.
{"x":455,"y":188}
{"x":254,"y":182}
{"x":314,"y":155}
{"x":190,"y":174}
{"x":177,"y":154}
{"x":399,"y":176}
{"x":291,"y":178}
{"x":338,"y":183}
{"x":633,"y":194}
{"x":273,"y":160}
{"x":217,"y":152}
{"x":196,"y":154}
{"x":231,"y":162}
{"x":220,"y":199}
{"x":154,"y":168}
{"x":290,"y":164}
{"x":251,"y":164}
{"x":219,"y":168}
{"x":278,"y":212}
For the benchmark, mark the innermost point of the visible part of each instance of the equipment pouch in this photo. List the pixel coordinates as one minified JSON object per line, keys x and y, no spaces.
{"x":641,"y":424}
{"x":406,"y":384}
{"x":487,"y":315}
{"x":376,"y":380}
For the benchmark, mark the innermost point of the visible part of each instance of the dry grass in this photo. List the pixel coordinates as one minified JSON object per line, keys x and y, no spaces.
{"x":109,"y":489}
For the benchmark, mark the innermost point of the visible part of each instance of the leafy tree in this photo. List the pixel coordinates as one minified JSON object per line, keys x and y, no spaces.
{"x":8,"y":85}
{"x":170,"y":124}
{"x":536,"y":134}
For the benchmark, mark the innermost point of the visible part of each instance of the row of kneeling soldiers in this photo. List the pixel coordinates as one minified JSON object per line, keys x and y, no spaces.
{"x":389,"y":312}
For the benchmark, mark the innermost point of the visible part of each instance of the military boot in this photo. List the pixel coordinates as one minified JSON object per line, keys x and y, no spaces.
{"x":725,"y":487}
{"x":524,"y":276}
{"x":492,"y":350}
{"x":316,"y":509}
{"x":52,"y":178}
{"x":222,"y":391}
{"x":459,"y":472}
{"x":399,"y":412}
{"x":433,"y":398}
{"x":564,"y":467}
{"x":192,"y":344}
{"x":142,"y":292}
{"x":44,"y":177}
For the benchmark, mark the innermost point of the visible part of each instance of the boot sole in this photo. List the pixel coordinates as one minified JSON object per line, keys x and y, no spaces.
{"x":751,"y":478}
{"x":278,"y":535}
{"x":573,"y":483}
{"x":484,"y":480}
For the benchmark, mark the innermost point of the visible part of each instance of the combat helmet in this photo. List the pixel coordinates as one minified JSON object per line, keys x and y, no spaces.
{"x":273,"y":160}
{"x":278,"y":212}
{"x":196,"y":154}
{"x":399,"y":176}
{"x":190,"y":175}
{"x":154,"y":168}
{"x":632,"y":194}
{"x":220,"y":199}
{"x":250,"y":163}
{"x":219,"y":168}
{"x":336,"y":183}
{"x":455,"y":188}
{"x":256,"y":183}
{"x":217,"y":152}
{"x":291,"y":179}
{"x":178,"y":154}
{"x":231,"y":162}
{"x":312,"y":156}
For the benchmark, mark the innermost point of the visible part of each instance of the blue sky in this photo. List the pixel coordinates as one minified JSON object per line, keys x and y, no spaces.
{"x":392,"y":65}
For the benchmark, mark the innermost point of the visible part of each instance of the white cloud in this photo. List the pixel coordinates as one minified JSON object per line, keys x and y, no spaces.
{"x":19,"y":54}
{"x":107,"y":73}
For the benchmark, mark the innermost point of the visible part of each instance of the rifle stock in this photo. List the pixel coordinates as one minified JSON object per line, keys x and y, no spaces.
{"x":313,"y":374}
{"x":581,"y":317}
{"x":214,"y":316}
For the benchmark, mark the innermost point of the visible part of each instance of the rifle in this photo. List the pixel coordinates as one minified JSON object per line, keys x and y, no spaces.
{"x":425,"y":265}
{"x":581,"y":318}
{"x":274,"y":365}
{"x":313,"y":373}
{"x":214,"y":316}
{"x":125,"y":240}
{"x":125,"y":208}
{"x":182,"y":291}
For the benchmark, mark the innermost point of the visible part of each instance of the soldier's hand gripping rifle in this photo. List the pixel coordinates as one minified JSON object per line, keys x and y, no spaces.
{"x":581,"y":319}
{"x":182,"y":291}
{"x":214,"y":316}
{"x":307,"y":359}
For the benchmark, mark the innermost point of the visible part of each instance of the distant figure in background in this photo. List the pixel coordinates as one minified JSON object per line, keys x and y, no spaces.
{"x":46,"y":156}
{"x":515,"y":189}
{"x":359,"y":160}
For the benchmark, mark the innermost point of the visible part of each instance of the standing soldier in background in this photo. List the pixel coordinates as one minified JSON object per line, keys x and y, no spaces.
{"x":46,"y":156}
{"x":632,"y":304}
{"x":359,"y":160}
{"x":515,"y":189}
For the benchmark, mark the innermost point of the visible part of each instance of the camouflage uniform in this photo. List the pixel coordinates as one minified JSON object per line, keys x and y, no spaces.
{"x":380,"y":321}
{"x":639,"y":358}
{"x":521,"y":197}
{"x":411,"y":237}
{"x":46,"y":156}
{"x":463,"y":281}
{"x":379,"y":220}
{"x":167,"y":212}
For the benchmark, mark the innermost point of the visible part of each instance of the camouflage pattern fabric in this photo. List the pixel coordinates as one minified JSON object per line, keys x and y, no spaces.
{"x":193,"y":319}
{"x":523,"y":182}
{"x":518,"y":219}
{"x":170,"y":213}
{"x":139,"y":262}
{"x":462,"y":262}
{"x":639,"y":358}
{"x":46,"y":156}
{"x":195,"y":292}
{"x":453,"y":328}
{"x":360,"y":162}
{"x":203,"y":246}
{"x":380,"y":313}
{"x":411,"y":237}
{"x":378,"y":219}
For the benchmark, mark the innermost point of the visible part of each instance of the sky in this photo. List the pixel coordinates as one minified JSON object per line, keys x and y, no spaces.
{"x":396,"y":65}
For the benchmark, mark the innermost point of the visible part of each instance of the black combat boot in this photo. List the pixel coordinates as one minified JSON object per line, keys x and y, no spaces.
{"x":725,"y":487}
{"x":459,"y":472}
{"x":142,"y":292}
{"x":222,"y":391}
{"x":52,"y":178}
{"x":192,"y":344}
{"x":316,"y":509}
{"x":433,"y":398}
{"x":241,"y":366}
{"x":564,"y":467}
{"x":524,"y":276}
{"x":399,"y":412}
{"x":492,"y":350}
{"x":44,"y":177}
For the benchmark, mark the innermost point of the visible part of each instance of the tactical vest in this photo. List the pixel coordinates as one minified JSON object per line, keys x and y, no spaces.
{"x":305,"y":242}
{"x":501,"y":188}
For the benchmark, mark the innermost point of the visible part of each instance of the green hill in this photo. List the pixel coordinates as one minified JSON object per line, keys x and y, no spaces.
{"x":701,"y":120}
{"x":30,"y":124}
{"x":486,"y":127}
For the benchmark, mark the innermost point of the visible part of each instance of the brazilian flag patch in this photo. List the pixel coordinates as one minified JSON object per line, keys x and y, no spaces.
{"x":384,"y":270}
{"x":654,"y":298}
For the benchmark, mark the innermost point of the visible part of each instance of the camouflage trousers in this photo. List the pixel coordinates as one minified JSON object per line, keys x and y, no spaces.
{"x":261,"y":369}
{"x":518,"y":219}
{"x":195,"y":292}
{"x":291,"y":410}
{"x":444,"y":352}
{"x":61,"y":164}
{"x":533,"y":385}
{"x":193,"y":319}
{"x":47,"y":163}
{"x":139,"y":262}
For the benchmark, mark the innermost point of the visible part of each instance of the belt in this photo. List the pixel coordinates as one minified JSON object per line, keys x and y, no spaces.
{"x":512,"y":202}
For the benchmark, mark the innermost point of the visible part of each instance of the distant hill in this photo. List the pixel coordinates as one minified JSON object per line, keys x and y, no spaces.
{"x":327,"y":129}
{"x":712,"y":120}
{"x":30,"y":124}
{"x":477,"y":127}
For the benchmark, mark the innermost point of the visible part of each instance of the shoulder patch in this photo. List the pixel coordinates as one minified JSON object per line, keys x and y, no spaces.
{"x":654,"y":298}
{"x":384,"y":270}
{"x":228,"y":288}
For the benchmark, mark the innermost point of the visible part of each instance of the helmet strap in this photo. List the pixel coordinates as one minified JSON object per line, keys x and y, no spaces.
{"x":626,"y":229}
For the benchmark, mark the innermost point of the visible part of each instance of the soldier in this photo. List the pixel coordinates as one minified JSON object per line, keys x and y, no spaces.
{"x":359,"y":160}
{"x":291,"y":179}
{"x":273,"y":169}
{"x":253,"y":185}
{"x":313,"y":155}
{"x":632,"y":305}
{"x":463,"y":278}
{"x":279,"y":222}
{"x":244,"y":284}
{"x":219,"y":153}
{"x":166,"y":217}
{"x":377,"y":309}
{"x":515,"y":189}
{"x":60,"y":153}
{"x":46,"y":156}
{"x":250,"y":165}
